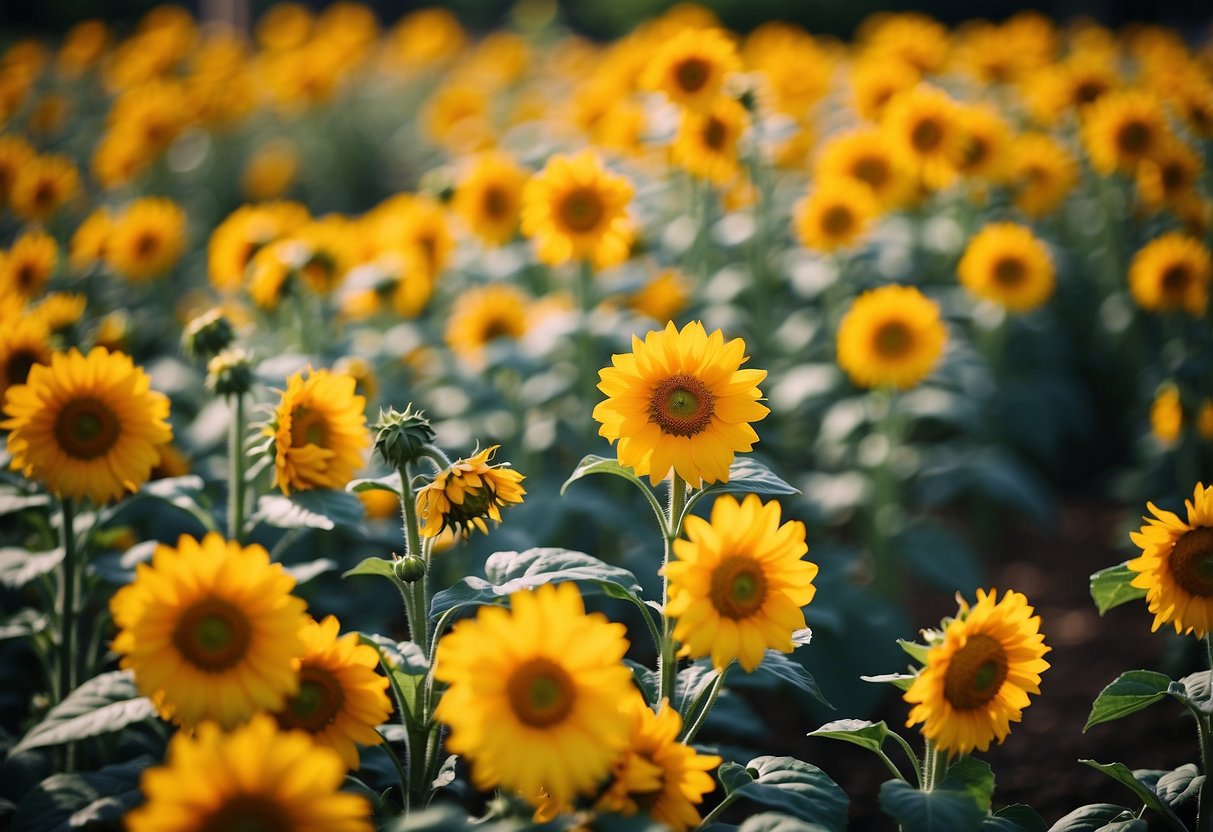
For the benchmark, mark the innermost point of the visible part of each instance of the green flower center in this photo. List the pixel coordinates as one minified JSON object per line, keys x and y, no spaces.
{"x":213,"y":635}
{"x":682,"y":405}
{"x":739,"y":587}
{"x":541,"y":693}
{"x":87,"y":428}
{"x":1191,"y":561}
{"x":975,"y":673}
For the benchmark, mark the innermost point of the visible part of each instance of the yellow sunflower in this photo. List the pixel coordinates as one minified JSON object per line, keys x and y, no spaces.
{"x":836,"y":214}
{"x":15,"y":153}
{"x":1176,"y":565}
{"x":211,"y":631}
{"x":707,"y":142}
{"x":1167,"y":414}
{"x":911,"y":38}
{"x":43,"y":185}
{"x":576,"y":209}
{"x":24,"y":342}
{"x":29,"y":264}
{"x":663,"y":297}
{"x":987,"y":144}
{"x":679,"y":401}
{"x":1122,"y":128}
{"x":658,"y":775}
{"x":977,"y":679}
{"x":89,"y":240}
{"x":923,"y":128}
{"x":146,"y":239}
{"x":319,"y":431}
{"x":1170,"y":177}
{"x":537,"y":694}
{"x":489,"y":197}
{"x":86,"y":426}
{"x":1171,"y":274}
{"x":484,"y":316}
{"x":341,"y":699}
{"x":256,"y":777}
{"x":877,"y":80}
{"x":464,"y":495}
{"x":891,"y":337}
{"x":864,"y":156}
{"x":271,"y":170}
{"x":58,"y":311}
{"x":1042,"y":172}
{"x":737,"y":583}
{"x":691,"y":67}
{"x":1007,"y":264}
{"x":245,"y":231}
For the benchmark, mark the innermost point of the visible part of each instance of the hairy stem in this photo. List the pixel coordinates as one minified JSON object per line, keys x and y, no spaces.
{"x":236,"y":461}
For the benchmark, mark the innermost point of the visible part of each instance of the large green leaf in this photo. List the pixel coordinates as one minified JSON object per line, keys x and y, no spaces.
{"x":103,"y":704}
{"x":19,"y":567}
{"x":85,"y":800}
{"x":1179,"y":786}
{"x":1121,"y":773}
{"x":1111,"y":587}
{"x":321,"y":508}
{"x":185,"y":493}
{"x":944,"y":809}
{"x":1130,"y":692}
{"x":510,"y":572}
{"x":778,"y":666}
{"x":775,"y":822}
{"x":746,"y":476}
{"x":1099,"y":816}
{"x":940,"y":557}
{"x":973,"y":776}
{"x":389,"y":483}
{"x":869,"y":735}
{"x":372,"y":566}
{"x":801,"y":790}
{"x":1014,"y":818}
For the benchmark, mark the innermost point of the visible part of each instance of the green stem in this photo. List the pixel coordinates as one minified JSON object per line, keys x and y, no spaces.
{"x":701,"y":715}
{"x":886,"y":513}
{"x":1204,"y":805}
{"x":666,"y":663}
{"x":419,"y":617}
{"x":935,"y":766}
{"x":67,"y":615}
{"x":762,"y":291}
{"x":400,"y":772}
{"x":913,"y":758}
{"x":585,"y":347}
{"x":719,"y":810}
{"x":236,"y":461}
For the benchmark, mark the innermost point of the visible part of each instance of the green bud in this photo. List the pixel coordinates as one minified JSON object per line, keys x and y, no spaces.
{"x":410,"y":568}
{"x":208,"y":335}
{"x":230,"y":373}
{"x":401,"y":438}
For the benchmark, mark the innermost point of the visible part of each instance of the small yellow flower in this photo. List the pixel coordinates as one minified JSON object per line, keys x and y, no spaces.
{"x":863,"y":156}
{"x":1123,"y":128}
{"x":923,"y":127}
{"x":245,"y":231}
{"x":15,"y":153}
{"x":146,"y":239}
{"x":88,"y":242}
{"x":1167,"y":414}
{"x":463,"y":496}
{"x":29,"y":264}
{"x":1171,"y":274}
{"x":319,"y":432}
{"x":891,"y":337}
{"x":1007,"y":264}
{"x":663,"y":297}
{"x":24,"y":342}
{"x":707,"y":142}
{"x":1042,"y":172}
{"x":43,"y":185}
{"x":483,"y":316}
{"x":271,"y":170}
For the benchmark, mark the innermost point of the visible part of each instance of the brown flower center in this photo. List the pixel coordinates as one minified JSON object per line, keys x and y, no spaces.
{"x":541,"y":693}
{"x":739,"y":587}
{"x":498,"y":326}
{"x":26,"y":276}
{"x":44,"y":195}
{"x":308,"y":427}
{"x":682,"y":405}
{"x":977,"y":150}
{"x":838,"y":221}
{"x":893,"y":340}
{"x":581,"y":209}
{"x":1191,"y":561}
{"x":1009,"y":271}
{"x":691,"y":74}
{"x":146,"y":244}
{"x":871,"y":170}
{"x":975,"y":673}
{"x":249,"y":813}
{"x":1087,"y":91}
{"x":18,"y":365}
{"x":87,"y":428}
{"x":212,"y":635}
{"x":317,"y":703}
{"x":1175,"y":280}
{"x":715,"y":134}
{"x":1134,"y":137}
{"x":926,"y":135}
{"x":1174,"y":177}
{"x":495,"y":202}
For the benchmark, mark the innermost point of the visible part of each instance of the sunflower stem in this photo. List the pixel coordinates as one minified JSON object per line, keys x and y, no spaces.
{"x":762,"y":290}
{"x":67,"y":616}
{"x":701,"y":716}
{"x":236,"y":460}
{"x":719,"y":810}
{"x":914,"y":762}
{"x":1204,"y":805}
{"x":667,"y":664}
{"x":886,"y":513}
{"x":585,"y":343}
{"x":934,"y":766}
{"x":419,"y":620}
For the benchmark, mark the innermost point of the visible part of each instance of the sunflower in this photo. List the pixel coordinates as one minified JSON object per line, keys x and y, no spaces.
{"x":863,"y":156}
{"x":28,"y":265}
{"x":875,"y":81}
{"x":15,"y":153}
{"x":707,"y":142}
{"x":1167,"y":414}
{"x":87,"y":426}
{"x":1204,"y":419}
{"x":418,"y":225}
{"x":211,"y":631}
{"x":82,"y":47}
{"x":24,"y":342}
{"x":891,"y":337}
{"x":679,"y":401}
{"x":271,"y":170}
{"x":737,"y":583}
{"x":1007,"y":264}
{"x":43,"y":185}
{"x":836,"y":214}
{"x":576,"y":209}
{"x":89,"y":240}
{"x":923,"y":128}
{"x":457,"y":117}
{"x":59,"y":311}
{"x":663,"y":297}
{"x":341,"y":699}
{"x":245,"y":231}
{"x":120,"y":156}
{"x":255,"y":778}
{"x":1123,"y":128}
{"x":485,"y":316}
{"x":1042,"y":172}
{"x":319,"y":432}
{"x":537,"y":694}
{"x":1072,"y":85}
{"x":464,"y":495}
{"x":987,"y":144}
{"x":1170,"y":177}
{"x":147,"y":238}
{"x":912,"y":39}
{"x":665,"y":778}
{"x":1176,"y":565}
{"x":489,"y":197}
{"x":977,"y":679}
{"x":1171,"y":274}
{"x":270,"y":271}
{"x":691,"y":67}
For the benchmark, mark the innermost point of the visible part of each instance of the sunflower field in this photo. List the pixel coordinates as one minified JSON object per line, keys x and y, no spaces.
{"x":408,"y":427}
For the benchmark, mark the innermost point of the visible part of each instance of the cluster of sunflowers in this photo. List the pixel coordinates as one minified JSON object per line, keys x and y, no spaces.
{"x":950,"y":252}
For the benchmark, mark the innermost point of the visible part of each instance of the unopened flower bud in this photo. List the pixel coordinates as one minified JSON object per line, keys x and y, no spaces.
{"x":208,"y":335}
{"x":409,"y":569}
{"x":230,"y":373}
{"x":401,"y":438}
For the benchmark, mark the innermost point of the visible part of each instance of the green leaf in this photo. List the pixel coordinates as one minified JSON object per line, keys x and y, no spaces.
{"x":690,"y":682}
{"x":917,"y":652}
{"x":1097,"y":816}
{"x":304,"y":572}
{"x":19,"y":567}
{"x":902,"y":681}
{"x":789,"y":672}
{"x":509,"y":572}
{"x":798,"y":788}
{"x":733,"y":777}
{"x":1130,"y":692}
{"x":1179,"y":786}
{"x":11,"y":503}
{"x":373,"y":566}
{"x":775,"y":822}
{"x":746,"y":476}
{"x":389,"y":483}
{"x":939,"y":557}
{"x":869,"y":735}
{"x":973,"y":776}
{"x":1121,"y":773}
{"x":1195,"y":690}
{"x":1111,"y":587}
{"x":185,"y":493}
{"x":405,"y":664}
{"x":945,"y":808}
{"x":93,"y":800}
{"x":1017,"y":817}
{"x":103,"y":704}
{"x":320,"y":508}
{"x":27,"y":622}
{"x":645,"y":679}
{"x":594,"y":464}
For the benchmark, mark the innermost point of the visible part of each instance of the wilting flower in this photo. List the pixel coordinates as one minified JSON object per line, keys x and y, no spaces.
{"x":466,"y":494}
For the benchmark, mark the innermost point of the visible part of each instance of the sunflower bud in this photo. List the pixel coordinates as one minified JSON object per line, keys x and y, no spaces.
{"x":208,"y":335}
{"x":401,"y":438}
{"x":230,"y":373}
{"x":409,"y":569}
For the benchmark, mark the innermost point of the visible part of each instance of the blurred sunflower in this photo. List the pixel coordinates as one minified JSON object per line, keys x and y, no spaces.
{"x":911,"y":38}
{"x":59,"y":311}
{"x":537,"y":694}
{"x":120,"y":156}
{"x":576,"y":209}
{"x":211,"y":631}
{"x":923,"y":128}
{"x":864,"y":156}
{"x":1041,"y":172}
{"x":1176,"y":565}
{"x":253,"y":778}
{"x":146,"y":239}
{"x":271,"y":170}
{"x":707,"y":142}
{"x":489,"y":197}
{"x":82,"y":47}
{"x":1122,"y":128}
{"x":425,"y":37}
{"x":1007,"y":264}
{"x":987,"y":144}
{"x":341,"y":699}
{"x":242,"y":234}
{"x":737,"y":583}
{"x":29,"y":264}
{"x":483,"y":316}
{"x":658,"y":775}
{"x":1170,"y":177}
{"x":86,"y":426}
{"x":319,"y":432}
{"x":1171,"y":274}
{"x":43,"y":185}
{"x":679,"y":401}
{"x":1204,"y":419}
{"x":977,"y":679}
{"x":663,"y":297}
{"x":89,"y":240}
{"x":836,"y":214}
{"x":24,"y":342}
{"x":891,"y":337}
{"x":15,"y":153}
{"x":464,"y":495}
{"x":1167,"y":414}
{"x":418,"y":224}
{"x":875,"y":81}
{"x":691,"y":67}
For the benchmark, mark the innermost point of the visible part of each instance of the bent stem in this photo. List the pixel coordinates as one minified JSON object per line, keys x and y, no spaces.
{"x":701,"y":714}
{"x":236,"y":460}
{"x":666,"y":662}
